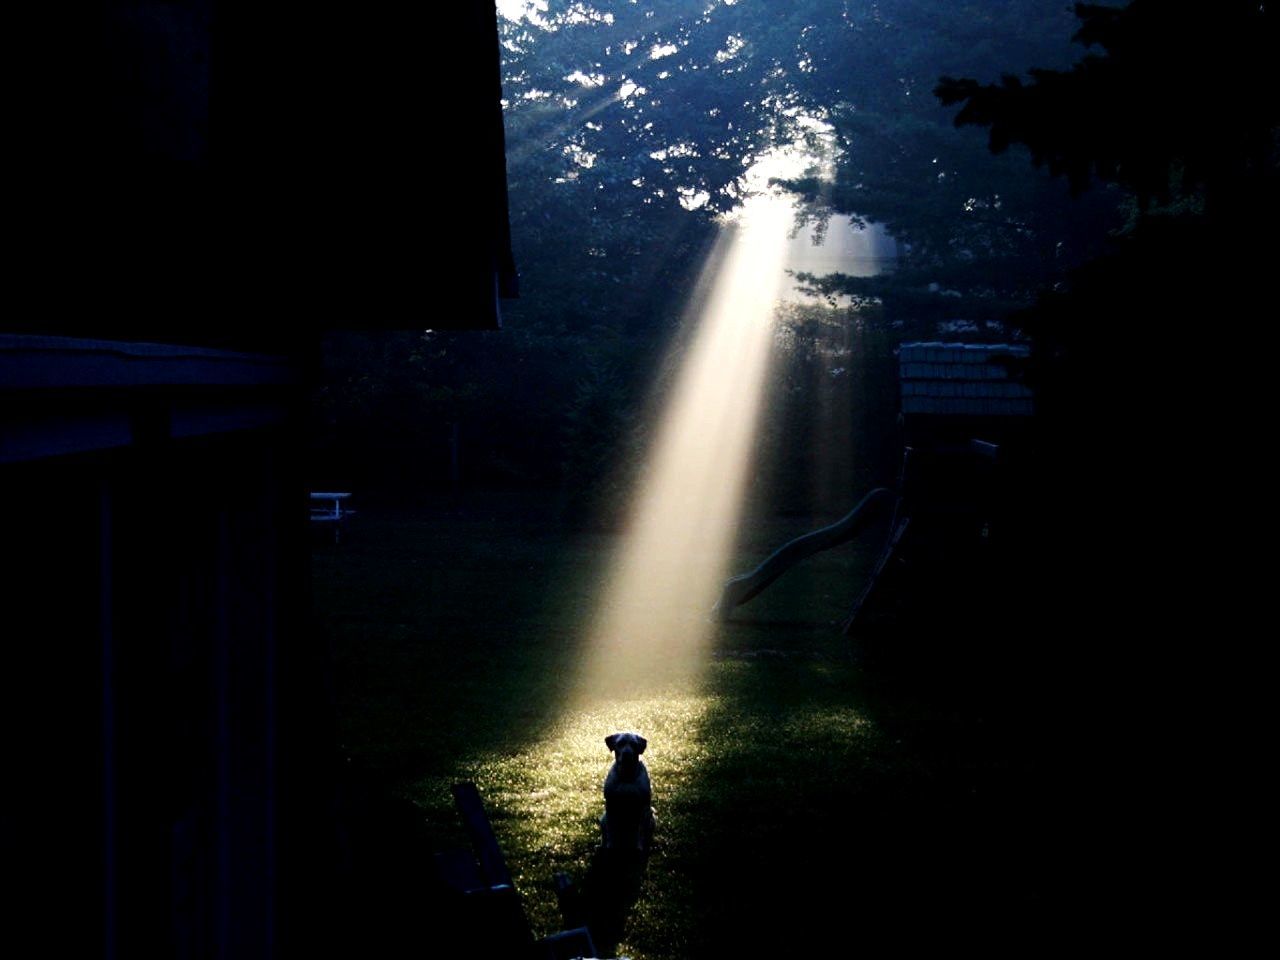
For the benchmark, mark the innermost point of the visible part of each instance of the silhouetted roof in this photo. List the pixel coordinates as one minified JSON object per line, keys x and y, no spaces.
{"x":66,"y":396}
{"x":331,"y":166}
{"x":962,"y":379}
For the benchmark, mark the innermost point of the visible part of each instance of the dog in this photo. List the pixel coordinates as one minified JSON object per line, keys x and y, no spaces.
{"x":628,"y":822}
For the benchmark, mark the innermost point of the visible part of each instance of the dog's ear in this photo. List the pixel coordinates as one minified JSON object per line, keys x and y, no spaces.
{"x":641,"y":743}
{"x":611,"y":741}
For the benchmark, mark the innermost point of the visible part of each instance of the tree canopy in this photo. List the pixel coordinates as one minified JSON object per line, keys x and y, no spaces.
{"x":1176,"y":102}
{"x":632,"y":126}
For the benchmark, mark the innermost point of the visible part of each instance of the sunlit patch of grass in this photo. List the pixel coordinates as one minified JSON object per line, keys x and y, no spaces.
{"x":544,"y":799}
{"x":444,"y":678}
{"x":837,"y":725}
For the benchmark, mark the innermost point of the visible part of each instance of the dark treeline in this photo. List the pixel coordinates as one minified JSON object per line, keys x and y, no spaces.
{"x":1139,"y":576}
{"x":629,"y":128}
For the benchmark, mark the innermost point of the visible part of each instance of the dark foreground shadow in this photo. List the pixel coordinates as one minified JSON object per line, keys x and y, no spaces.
{"x":606,"y":897}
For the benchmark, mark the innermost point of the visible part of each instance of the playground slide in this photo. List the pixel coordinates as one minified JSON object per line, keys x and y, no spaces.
{"x":738,"y":590}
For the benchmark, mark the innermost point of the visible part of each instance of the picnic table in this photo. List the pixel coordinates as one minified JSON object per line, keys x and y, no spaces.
{"x":331,"y":508}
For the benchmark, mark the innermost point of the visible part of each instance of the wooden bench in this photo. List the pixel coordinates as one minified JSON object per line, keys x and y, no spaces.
{"x":490,"y":905}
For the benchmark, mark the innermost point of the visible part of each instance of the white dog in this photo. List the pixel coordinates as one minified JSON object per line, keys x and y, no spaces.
{"x":628,"y":821}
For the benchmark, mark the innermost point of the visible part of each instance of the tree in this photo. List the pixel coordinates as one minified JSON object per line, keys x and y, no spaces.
{"x":1177,"y":109}
{"x":992,"y":231}
{"x":1152,"y":483}
{"x":1179,"y":106}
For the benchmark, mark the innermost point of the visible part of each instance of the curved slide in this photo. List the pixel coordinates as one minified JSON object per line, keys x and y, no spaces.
{"x":738,"y":590}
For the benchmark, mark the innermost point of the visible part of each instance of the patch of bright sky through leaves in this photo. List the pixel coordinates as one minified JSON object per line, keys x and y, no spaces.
{"x":843,"y":247}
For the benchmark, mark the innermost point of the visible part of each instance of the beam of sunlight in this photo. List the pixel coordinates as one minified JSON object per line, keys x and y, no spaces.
{"x":545,"y":799}
{"x":652,"y":623}
{"x":647,"y":643}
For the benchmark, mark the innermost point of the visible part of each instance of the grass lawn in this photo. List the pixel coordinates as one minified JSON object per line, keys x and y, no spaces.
{"x":803,"y":802}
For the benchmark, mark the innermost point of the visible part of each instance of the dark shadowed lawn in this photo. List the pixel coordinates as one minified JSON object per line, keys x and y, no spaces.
{"x":802,"y":803}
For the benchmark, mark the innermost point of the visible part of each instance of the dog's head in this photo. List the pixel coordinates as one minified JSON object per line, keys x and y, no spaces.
{"x":627,"y":747}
